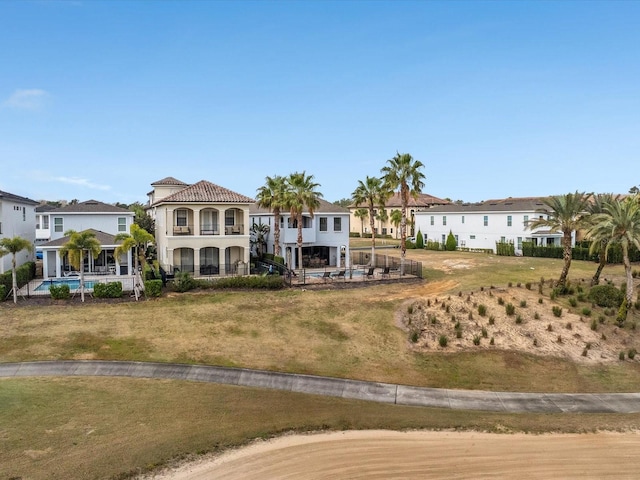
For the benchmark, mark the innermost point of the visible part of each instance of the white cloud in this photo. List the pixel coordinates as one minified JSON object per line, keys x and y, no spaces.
{"x":82,"y":182}
{"x":30,"y":99}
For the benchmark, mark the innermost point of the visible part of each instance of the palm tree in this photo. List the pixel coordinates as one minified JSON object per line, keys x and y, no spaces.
{"x":566,"y":213}
{"x":396,"y":219}
{"x":272,"y":197}
{"x":259,"y":233}
{"x":361,"y":213}
{"x":596,"y":207}
{"x":301,"y":195}
{"x":14,"y":246}
{"x":372,"y":194}
{"x":619,"y":223}
{"x":76,"y":246}
{"x":403,"y":172}
{"x":138,"y":239}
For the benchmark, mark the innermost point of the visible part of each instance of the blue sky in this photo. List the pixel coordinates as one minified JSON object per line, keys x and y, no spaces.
{"x":98,"y":99}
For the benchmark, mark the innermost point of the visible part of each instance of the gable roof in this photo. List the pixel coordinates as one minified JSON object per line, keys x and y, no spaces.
{"x":422,"y":200}
{"x":324,"y":207}
{"x":169,"y":181}
{"x":16,"y":198}
{"x":205,"y":192}
{"x":102,"y":237}
{"x":91,"y":206}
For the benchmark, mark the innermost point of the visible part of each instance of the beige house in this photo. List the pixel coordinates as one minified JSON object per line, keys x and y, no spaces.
{"x":383,"y":224}
{"x":202,"y":228}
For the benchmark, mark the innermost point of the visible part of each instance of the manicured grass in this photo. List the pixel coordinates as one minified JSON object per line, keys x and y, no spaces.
{"x":102,"y":428}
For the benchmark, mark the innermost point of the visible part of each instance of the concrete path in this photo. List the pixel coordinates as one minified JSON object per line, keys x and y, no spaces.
{"x":337,"y":387}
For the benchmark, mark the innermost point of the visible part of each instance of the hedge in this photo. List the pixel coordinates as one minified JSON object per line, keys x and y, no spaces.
{"x":3,"y":292}
{"x":107,"y":290}
{"x":606,"y":296}
{"x":153,"y":288}
{"x":60,"y":292}
{"x":579,"y":252}
{"x":24,"y":273}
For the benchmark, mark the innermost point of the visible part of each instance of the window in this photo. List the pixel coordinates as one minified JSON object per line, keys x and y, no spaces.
{"x":526,"y":220}
{"x":444,"y":239}
{"x":503,"y":240}
{"x":486,"y":220}
{"x":509,"y":220}
{"x":323,"y":224}
{"x":462,"y":218}
{"x":519,"y":243}
{"x":456,"y":237}
{"x":384,"y":230}
{"x":472,"y":237}
{"x":337,"y":224}
{"x":181,"y":218}
{"x":122,"y":224}
{"x":229,"y":218}
{"x":24,"y":214}
{"x":431,"y":219}
{"x":45,"y":222}
{"x":444,"y":219}
{"x":58,"y":225}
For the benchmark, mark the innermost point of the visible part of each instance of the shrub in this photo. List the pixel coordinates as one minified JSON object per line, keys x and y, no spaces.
{"x":582,"y":297}
{"x":510,"y":309}
{"x":601,"y":319}
{"x":621,"y":355}
{"x":443,"y":340}
{"x":153,"y":288}
{"x":573,"y":302}
{"x":108,"y":290}
{"x":584,"y":352}
{"x":414,"y":336}
{"x":492,"y":341}
{"x":184,"y":282}
{"x":569,"y":326}
{"x":557,"y":311}
{"x":482,"y":310}
{"x":606,"y":296}
{"x":549,"y":328}
{"x":419,"y":240}
{"x":594,"y":325}
{"x":484,"y":332}
{"x":451,"y":243}
{"x":518,"y":319}
{"x":476,"y":340}
{"x":540,"y":300}
{"x":500,"y":301}
{"x":523,"y":303}
{"x":536,"y":316}
{"x":410,"y":309}
{"x":459,"y":333}
{"x":60,"y":292}
{"x":527,"y":285}
{"x":3,"y":292}
{"x":631,"y":353}
{"x":492,"y":320}
{"x":586,"y":312}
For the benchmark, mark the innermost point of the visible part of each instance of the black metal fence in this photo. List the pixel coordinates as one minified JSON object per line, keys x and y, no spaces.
{"x":411,"y":267}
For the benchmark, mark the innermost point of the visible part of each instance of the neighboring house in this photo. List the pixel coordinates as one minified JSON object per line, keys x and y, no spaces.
{"x":383,"y":225}
{"x":43,"y":223}
{"x":202,"y":228}
{"x":325,"y":236}
{"x":105,"y":220}
{"x":481,"y":225}
{"x":17,"y":219}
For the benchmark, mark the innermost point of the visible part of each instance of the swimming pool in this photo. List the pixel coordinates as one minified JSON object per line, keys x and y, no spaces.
{"x":73,"y":284}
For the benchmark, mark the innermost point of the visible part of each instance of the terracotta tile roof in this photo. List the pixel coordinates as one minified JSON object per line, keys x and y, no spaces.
{"x":91,"y":206}
{"x":325,"y":207}
{"x":423,"y":200}
{"x":205,"y":192}
{"x":16,"y":198}
{"x":169,"y":181}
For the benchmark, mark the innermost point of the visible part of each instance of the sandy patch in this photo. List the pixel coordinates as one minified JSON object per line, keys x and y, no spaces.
{"x":433,"y":455}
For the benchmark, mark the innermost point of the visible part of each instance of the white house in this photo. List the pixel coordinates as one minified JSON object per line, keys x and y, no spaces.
{"x":106,"y":221}
{"x":325,"y":236}
{"x":17,"y":219}
{"x":481,"y":225}
{"x":43,"y":223}
{"x":202,"y":228}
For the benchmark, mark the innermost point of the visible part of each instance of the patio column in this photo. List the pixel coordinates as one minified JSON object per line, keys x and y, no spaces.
{"x":196,"y":222}
{"x":196,"y":262}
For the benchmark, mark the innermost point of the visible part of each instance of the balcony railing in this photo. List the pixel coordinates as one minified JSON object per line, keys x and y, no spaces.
{"x":209,"y":229}
{"x":234,"y":230}
{"x":183,"y":229}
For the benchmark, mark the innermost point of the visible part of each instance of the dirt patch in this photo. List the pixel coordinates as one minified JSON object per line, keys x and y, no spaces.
{"x":509,"y":319}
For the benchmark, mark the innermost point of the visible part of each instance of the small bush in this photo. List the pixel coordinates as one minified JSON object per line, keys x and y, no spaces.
{"x":459,"y":333}
{"x":443,"y":340}
{"x":410,"y":309}
{"x":535,"y":342}
{"x":549,"y":328}
{"x":631,"y":353}
{"x":415,"y":336}
{"x":500,"y":301}
{"x":559,"y":339}
{"x":621,"y":355}
{"x":584,"y":352}
{"x":586,"y":312}
{"x":482,"y":310}
{"x":153,"y":288}
{"x":594,"y":325}
{"x":3,"y":292}
{"x":581,"y":297}
{"x":557,"y":311}
{"x":523,"y":303}
{"x":476,"y":340}
{"x":484,"y":332}
{"x":573,"y":302}
{"x":569,"y":326}
{"x":108,"y":290}
{"x":540,"y":300}
{"x":60,"y":292}
{"x":492,"y":320}
{"x":510,"y":309}
{"x":518,"y":319}
{"x":601,"y":319}
{"x":492,"y":341}
{"x":527,"y":285}
{"x":606,"y":296}
{"x":184,"y":282}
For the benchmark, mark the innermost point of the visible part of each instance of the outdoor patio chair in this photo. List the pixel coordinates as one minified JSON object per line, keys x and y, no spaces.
{"x":385,"y":273}
{"x":327,"y":276}
{"x":370,"y":272}
{"x":341,"y":274}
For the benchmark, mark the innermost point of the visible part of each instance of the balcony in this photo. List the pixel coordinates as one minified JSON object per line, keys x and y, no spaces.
{"x":234,"y":230}
{"x":209,"y":229}
{"x":182,"y":230}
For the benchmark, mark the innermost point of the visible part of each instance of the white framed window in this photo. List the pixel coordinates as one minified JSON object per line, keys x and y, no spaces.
{"x":323,"y":224}
{"x":509,"y":220}
{"x":229,"y":218}
{"x":472,"y":237}
{"x":58,"y":225}
{"x":444,"y":220}
{"x":122,"y":224}
{"x":462,"y":218}
{"x":45,"y":222}
{"x":486,"y":220}
{"x":181,"y":217}
{"x":526,"y":220}
{"x":337,"y":224}
{"x":432,"y":219}
{"x":519,"y":243}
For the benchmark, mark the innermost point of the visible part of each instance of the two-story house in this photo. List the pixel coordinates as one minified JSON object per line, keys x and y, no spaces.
{"x":201,"y":228}
{"x":17,"y":219}
{"x":382,"y":220}
{"x":105,"y":220}
{"x":325,"y":236}
{"x":43,"y":223}
{"x":481,"y":225}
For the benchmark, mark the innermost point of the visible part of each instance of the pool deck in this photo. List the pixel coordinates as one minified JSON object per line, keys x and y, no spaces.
{"x":30,"y":288}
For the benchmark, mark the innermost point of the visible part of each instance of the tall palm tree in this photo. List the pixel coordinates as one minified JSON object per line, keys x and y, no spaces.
{"x":76,"y":246}
{"x":396,"y":219}
{"x":566,"y":213}
{"x":301,"y":195}
{"x":372,"y":194}
{"x":619,"y":223}
{"x":361,"y":213}
{"x":404,"y":173}
{"x":272,"y":196}
{"x":596,"y":207}
{"x":14,"y":246}
{"x":137,"y":239}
